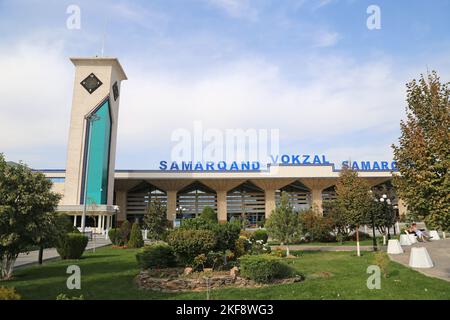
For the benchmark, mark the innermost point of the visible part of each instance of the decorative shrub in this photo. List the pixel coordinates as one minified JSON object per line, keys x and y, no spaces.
{"x":195,"y":224}
{"x":315,"y":226}
{"x":242,"y":246}
{"x":209,"y":215}
{"x":260,"y":235}
{"x":9,"y":293}
{"x":258,"y":247}
{"x":114,"y":236}
{"x":264,"y":268}
{"x":226,"y":236}
{"x":157,"y":255}
{"x":125,"y":230}
{"x":72,"y":245}
{"x":136,"y":240}
{"x":188,"y":244}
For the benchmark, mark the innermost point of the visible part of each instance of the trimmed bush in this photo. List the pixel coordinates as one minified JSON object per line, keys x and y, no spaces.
{"x":208,"y":214}
{"x":125,"y":230}
{"x":72,"y":245}
{"x":9,"y":294}
{"x":264,"y":268}
{"x":136,"y":240}
{"x":260,"y":235}
{"x":187,"y":244}
{"x":226,"y":236}
{"x":114,"y":236}
{"x":157,"y":255}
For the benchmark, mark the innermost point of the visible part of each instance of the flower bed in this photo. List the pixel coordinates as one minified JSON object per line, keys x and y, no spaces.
{"x":173,"y":280}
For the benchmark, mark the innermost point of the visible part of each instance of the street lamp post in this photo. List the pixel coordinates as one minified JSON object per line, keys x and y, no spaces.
{"x":374,"y":240}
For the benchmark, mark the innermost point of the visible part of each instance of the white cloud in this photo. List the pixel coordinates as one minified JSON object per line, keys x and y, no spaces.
{"x":325,"y":38}
{"x":236,"y":8}
{"x":35,"y":100}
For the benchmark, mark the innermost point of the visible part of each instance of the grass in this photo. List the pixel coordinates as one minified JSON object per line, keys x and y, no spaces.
{"x":365,"y":242}
{"x":109,"y":274}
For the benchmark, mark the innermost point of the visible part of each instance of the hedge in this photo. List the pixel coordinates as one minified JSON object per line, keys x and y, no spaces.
{"x":264,"y":268}
{"x":158,"y":255}
{"x":72,"y":245}
{"x":187,"y":244}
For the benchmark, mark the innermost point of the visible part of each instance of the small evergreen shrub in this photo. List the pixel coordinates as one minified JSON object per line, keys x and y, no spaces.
{"x":136,"y":240}
{"x":72,"y":245}
{"x":158,"y":255}
{"x":188,"y":244}
{"x":7,"y":293}
{"x":114,"y":236}
{"x":264,"y":268}
{"x":125,"y":230}
{"x":226,"y":236}
{"x":209,"y":215}
{"x":260,"y":235}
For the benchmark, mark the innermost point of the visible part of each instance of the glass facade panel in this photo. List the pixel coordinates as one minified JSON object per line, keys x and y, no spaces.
{"x":99,"y":132}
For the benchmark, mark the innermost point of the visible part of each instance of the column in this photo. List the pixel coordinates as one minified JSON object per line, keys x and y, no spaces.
{"x":316,"y":199}
{"x":75,"y":220}
{"x":121,"y":201}
{"x":222,"y":206}
{"x":269,"y":195}
{"x":171,"y":205}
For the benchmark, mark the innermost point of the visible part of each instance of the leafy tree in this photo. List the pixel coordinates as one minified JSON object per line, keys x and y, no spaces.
{"x":26,"y":205}
{"x":53,"y":228}
{"x":423,"y":152}
{"x":353,"y":199}
{"x":338,"y":220}
{"x":136,"y":240}
{"x":155,"y":220}
{"x":284,"y":223}
{"x":383,"y":215}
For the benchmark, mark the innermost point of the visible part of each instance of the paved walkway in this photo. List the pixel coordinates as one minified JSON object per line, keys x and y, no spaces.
{"x":439,"y":252}
{"x":322,"y":248}
{"x":50,"y":254}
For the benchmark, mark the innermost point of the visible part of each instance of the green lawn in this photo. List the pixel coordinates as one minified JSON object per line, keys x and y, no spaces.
{"x":363,"y":242}
{"x":109,"y":274}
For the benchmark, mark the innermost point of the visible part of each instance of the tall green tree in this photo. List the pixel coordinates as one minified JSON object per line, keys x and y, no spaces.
{"x":353,"y":199}
{"x":283,"y":223}
{"x":26,"y":204}
{"x":155,"y":220}
{"x":423,"y":152}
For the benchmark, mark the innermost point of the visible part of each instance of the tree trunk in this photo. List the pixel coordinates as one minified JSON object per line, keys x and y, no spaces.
{"x":287,"y":251}
{"x":358,"y":252}
{"x":41,"y":254}
{"x":7,"y":267}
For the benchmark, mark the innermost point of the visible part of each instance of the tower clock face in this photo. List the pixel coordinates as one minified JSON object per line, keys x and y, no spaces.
{"x":91,"y":83}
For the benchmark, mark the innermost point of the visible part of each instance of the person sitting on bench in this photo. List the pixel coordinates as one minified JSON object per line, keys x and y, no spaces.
{"x":421,"y":234}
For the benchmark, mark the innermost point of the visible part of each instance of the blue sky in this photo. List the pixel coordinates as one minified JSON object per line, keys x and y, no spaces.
{"x":310,"y":68}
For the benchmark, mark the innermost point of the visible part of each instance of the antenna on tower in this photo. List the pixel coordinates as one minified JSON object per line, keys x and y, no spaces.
{"x":104,"y":38}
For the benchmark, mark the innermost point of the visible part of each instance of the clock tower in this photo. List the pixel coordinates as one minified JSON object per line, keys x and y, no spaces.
{"x":91,"y":150}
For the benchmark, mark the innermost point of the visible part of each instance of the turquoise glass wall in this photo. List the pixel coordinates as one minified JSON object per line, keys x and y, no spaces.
{"x":99,"y":144}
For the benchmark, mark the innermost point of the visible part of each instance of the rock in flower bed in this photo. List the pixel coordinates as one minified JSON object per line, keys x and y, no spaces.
{"x":174,"y":280}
